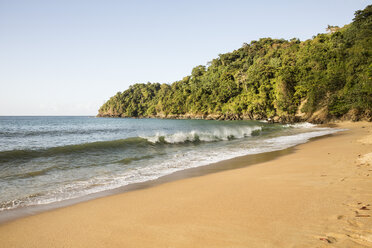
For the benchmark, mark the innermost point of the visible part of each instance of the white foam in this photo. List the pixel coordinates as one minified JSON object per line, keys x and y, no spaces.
{"x":301,"y":125}
{"x":180,"y":161}
{"x":216,"y":134}
{"x":291,"y":140}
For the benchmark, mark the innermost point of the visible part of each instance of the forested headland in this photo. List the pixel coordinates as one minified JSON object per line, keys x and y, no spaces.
{"x":324,"y":78}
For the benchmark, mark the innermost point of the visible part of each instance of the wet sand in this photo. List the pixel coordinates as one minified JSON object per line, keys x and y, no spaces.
{"x":318,"y":194}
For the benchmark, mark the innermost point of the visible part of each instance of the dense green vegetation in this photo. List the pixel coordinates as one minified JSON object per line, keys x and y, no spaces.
{"x":329,"y":76}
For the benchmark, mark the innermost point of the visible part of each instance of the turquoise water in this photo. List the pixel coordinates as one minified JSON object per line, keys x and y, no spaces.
{"x":50,"y":159}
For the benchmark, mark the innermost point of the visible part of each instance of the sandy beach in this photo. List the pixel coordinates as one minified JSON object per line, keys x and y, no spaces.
{"x":318,"y":196}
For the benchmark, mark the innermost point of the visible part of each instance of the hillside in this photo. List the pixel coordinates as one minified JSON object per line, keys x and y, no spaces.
{"x":320,"y":79}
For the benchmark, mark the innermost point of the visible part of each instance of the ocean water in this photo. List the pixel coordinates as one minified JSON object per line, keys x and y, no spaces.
{"x":50,"y":159}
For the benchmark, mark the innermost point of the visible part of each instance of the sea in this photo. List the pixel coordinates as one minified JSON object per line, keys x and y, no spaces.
{"x":46,"y":160}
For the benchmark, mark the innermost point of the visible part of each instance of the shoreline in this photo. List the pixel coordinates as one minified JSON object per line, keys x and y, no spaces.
{"x":215,"y":167}
{"x":229,"y":164}
{"x":307,"y":197}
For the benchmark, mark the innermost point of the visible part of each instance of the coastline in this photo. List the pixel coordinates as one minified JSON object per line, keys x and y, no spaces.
{"x":219,"y":117}
{"x":212,"y":167}
{"x":309,"y":197}
{"x":229,"y":164}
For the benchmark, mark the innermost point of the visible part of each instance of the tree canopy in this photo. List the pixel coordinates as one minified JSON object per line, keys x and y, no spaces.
{"x":331,"y":73}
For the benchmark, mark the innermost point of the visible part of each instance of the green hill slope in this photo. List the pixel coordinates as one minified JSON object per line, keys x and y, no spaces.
{"x":327,"y":77}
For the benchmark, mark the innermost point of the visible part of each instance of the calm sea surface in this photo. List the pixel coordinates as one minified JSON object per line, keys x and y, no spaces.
{"x":50,"y":159}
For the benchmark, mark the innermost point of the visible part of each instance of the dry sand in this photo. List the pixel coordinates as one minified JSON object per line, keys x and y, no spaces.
{"x":318,"y":196}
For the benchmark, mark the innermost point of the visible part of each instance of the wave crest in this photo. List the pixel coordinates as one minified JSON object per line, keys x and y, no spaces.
{"x":217,"y":134}
{"x":301,"y":125}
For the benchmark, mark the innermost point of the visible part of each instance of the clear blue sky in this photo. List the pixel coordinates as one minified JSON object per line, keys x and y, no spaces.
{"x":68,"y":57}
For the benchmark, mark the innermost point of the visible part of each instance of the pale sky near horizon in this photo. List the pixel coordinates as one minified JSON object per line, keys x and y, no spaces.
{"x":68,"y":57}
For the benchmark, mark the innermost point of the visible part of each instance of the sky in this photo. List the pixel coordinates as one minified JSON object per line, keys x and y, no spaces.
{"x":69,"y":57}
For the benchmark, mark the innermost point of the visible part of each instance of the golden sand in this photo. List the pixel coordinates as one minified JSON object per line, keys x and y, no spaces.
{"x":318,"y":196}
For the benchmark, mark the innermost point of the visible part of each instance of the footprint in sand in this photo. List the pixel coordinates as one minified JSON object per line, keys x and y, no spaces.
{"x":329,"y":239}
{"x":363,"y":238}
{"x":363,"y":210}
{"x":365,"y":207}
{"x":353,"y":223}
{"x":340,"y":217}
{"x":365,"y":159}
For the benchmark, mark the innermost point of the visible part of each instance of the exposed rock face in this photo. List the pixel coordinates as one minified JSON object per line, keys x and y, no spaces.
{"x":355,"y":115}
{"x":319,"y":117}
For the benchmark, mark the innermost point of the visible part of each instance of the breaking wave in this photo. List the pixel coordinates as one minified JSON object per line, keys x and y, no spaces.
{"x":218,"y":134}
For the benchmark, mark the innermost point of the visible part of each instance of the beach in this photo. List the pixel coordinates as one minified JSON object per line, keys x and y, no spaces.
{"x":320,"y":195}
